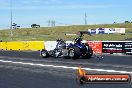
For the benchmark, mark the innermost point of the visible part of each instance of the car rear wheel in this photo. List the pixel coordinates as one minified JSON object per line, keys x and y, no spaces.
{"x":89,"y":53}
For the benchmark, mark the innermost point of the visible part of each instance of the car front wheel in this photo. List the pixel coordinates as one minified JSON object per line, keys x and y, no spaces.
{"x":44,"y":53}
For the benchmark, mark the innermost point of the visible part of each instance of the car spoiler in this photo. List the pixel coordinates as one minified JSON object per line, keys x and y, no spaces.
{"x":84,"y":32}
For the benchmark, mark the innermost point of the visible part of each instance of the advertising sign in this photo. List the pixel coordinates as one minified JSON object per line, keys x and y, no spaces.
{"x":117,"y":47}
{"x":106,"y":30}
{"x":96,"y":46}
{"x":109,"y":30}
{"x":93,"y":31}
{"x":119,"y":30}
{"x":113,"y":47}
{"x":128,"y":47}
{"x":114,"y":30}
{"x":101,"y":30}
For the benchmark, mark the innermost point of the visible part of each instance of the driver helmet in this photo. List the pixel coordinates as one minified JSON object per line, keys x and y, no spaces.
{"x":78,"y":40}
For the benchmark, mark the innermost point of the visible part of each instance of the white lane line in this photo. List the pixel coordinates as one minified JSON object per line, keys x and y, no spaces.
{"x":65,"y":67}
{"x":77,"y":63}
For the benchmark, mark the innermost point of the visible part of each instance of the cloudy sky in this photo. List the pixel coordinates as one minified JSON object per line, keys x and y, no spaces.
{"x":64,"y":12}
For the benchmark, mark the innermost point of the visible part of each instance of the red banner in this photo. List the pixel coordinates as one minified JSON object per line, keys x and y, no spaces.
{"x":96,"y":46}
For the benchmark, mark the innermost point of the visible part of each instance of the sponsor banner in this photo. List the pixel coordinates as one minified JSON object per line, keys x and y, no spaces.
{"x":97,"y":31}
{"x":96,"y":46}
{"x":108,"y":78}
{"x":109,"y":30}
{"x":92,"y":31}
{"x":100,"y":31}
{"x":114,"y":30}
{"x":117,"y":47}
{"x":128,"y":47}
{"x":83,"y":77}
{"x":113,"y":47}
{"x":106,"y":30}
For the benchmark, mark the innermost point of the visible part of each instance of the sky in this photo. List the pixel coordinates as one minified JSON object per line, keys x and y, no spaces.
{"x":64,"y":12}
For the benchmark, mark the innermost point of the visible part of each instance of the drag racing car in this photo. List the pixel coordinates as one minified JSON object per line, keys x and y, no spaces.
{"x":74,"y":50}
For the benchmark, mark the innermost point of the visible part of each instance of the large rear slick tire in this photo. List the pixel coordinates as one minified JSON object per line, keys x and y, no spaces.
{"x":89,"y":54}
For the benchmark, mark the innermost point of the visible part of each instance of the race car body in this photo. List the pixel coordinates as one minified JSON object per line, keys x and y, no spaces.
{"x":73,"y":50}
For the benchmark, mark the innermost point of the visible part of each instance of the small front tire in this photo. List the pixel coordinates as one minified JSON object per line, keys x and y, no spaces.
{"x":44,"y":53}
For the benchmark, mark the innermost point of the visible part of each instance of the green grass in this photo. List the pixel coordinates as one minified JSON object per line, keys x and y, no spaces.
{"x":52,"y":33}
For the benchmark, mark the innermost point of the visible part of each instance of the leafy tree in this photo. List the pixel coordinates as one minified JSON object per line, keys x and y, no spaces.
{"x":127,"y":22}
{"x":35,"y":26}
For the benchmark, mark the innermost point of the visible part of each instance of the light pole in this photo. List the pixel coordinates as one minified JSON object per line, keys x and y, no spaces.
{"x":85,"y":19}
{"x":11,"y":33}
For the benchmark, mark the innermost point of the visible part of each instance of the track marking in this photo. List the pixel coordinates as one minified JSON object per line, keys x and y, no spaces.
{"x":67,"y":62}
{"x":65,"y":67}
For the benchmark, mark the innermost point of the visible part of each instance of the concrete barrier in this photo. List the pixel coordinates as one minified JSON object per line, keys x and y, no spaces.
{"x":22,"y":45}
{"x":3,"y":45}
{"x":98,"y":47}
{"x":35,"y":45}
